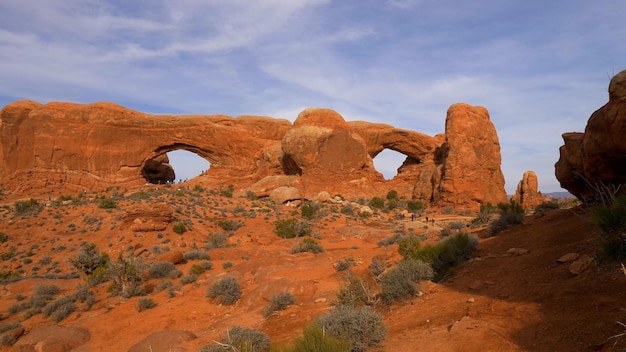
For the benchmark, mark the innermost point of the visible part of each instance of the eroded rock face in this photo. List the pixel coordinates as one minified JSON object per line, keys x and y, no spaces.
{"x":597,"y":157}
{"x":527,"y":193}
{"x":470,"y":159}
{"x":63,"y":148}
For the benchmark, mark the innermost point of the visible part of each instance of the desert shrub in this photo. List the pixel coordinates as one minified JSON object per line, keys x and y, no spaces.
{"x":8,"y":339}
{"x":309,"y":210}
{"x":226,"y":265}
{"x":89,"y":259}
{"x":553,"y":204}
{"x":292,"y":228}
{"x":225,"y":291}
{"x":345,"y":264}
{"x":377,"y":266}
{"x":612,"y":220}
{"x":487,"y":210}
{"x":180,"y":228}
{"x":392,"y":194}
{"x":144,"y":303}
{"x":27,"y":207}
{"x":315,"y":339}
{"x":229,"y":225}
{"x":228,"y":191}
{"x":196,"y":255}
{"x":307,"y":245}
{"x":241,"y":340}
{"x":377,"y":203}
{"x":3,"y":237}
{"x":188,"y":279}
{"x":197,"y":269}
{"x":277,"y":303}
{"x":98,"y":276}
{"x":443,"y":255}
{"x":347,"y":209}
{"x":161,"y":270}
{"x":505,"y":220}
{"x":126,"y":276}
{"x":402,"y":281}
{"x":251,"y":195}
{"x":60,"y":309}
{"x":107,"y":203}
{"x":414,"y":206}
{"x":216,"y":240}
{"x":362,"y":326}
{"x":356,"y":290}
{"x":392,"y":204}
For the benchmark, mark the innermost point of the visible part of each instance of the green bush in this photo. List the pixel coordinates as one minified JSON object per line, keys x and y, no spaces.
{"x":487,"y":210}
{"x":161,"y":270}
{"x":292,"y":228}
{"x":277,"y":303}
{"x":553,"y":204}
{"x":241,"y":340}
{"x":89,"y":259}
{"x":197,"y":269}
{"x":216,"y":240}
{"x":144,"y":303}
{"x":345,"y":264}
{"x":362,"y":326}
{"x":414,"y":206}
{"x":188,"y":279}
{"x":347,"y":209}
{"x":309,"y":210}
{"x":612,"y":220}
{"x":107,"y":203}
{"x":126,"y":276}
{"x":392,"y":204}
{"x":228,"y":192}
{"x":180,"y":228}
{"x":377,"y":203}
{"x":315,"y":339}
{"x":3,"y":237}
{"x":229,"y":225}
{"x":307,"y":245}
{"x":443,"y":255}
{"x":196,"y":255}
{"x":505,"y":220}
{"x":392,"y":194}
{"x":402,"y":281}
{"x":27,"y":207}
{"x":225,"y":291}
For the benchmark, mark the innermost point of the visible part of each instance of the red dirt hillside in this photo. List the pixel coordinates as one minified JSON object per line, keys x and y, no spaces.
{"x":512,"y":295}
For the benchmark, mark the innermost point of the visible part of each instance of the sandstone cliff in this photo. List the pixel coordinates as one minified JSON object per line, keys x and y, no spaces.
{"x":63,"y":147}
{"x":597,"y":158}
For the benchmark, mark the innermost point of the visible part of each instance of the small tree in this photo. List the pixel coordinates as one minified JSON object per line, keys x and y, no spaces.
{"x":89,"y":259}
{"x":414,"y":206}
{"x":126,"y":275}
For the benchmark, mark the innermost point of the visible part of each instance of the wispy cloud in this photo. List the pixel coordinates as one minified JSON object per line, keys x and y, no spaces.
{"x":541,"y":68}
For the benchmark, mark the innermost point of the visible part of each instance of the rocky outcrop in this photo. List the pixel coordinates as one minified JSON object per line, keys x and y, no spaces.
{"x":527,"y":193}
{"x":62,"y":147}
{"x":596,"y":158}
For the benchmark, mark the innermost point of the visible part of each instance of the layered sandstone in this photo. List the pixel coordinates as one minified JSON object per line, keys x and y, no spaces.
{"x":596,"y":159}
{"x":64,"y":147}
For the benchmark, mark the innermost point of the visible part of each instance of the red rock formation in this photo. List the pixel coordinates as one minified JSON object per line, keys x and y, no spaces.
{"x":63,"y":148}
{"x":527,"y":193}
{"x":470,"y":159}
{"x":597,"y":158}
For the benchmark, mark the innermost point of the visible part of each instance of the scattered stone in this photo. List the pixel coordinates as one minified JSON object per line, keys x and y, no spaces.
{"x":517,"y":251}
{"x":580,"y":265}
{"x":166,"y":340}
{"x":284,"y":194}
{"x":470,"y":300}
{"x":569,"y":257}
{"x":320,"y":300}
{"x":476,"y":285}
{"x":52,"y":338}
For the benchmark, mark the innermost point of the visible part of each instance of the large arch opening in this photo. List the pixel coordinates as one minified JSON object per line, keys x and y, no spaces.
{"x":186,"y":164}
{"x":388,"y":162}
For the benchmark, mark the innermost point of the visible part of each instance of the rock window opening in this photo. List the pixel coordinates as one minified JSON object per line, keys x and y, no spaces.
{"x":387,"y":163}
{"x":187,"y":165}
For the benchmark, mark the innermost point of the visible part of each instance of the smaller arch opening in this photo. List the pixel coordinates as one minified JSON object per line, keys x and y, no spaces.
{"x":187,"y":165}
{"x":388,"y":162}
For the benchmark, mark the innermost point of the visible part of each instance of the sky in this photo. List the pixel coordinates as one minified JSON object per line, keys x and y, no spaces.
{"x":540,"y":67}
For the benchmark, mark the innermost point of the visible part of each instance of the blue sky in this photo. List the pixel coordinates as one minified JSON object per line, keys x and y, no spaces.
{"x":540,"y":67}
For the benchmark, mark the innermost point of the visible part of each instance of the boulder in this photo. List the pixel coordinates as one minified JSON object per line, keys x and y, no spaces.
{"x":285,"y":194}
{"x":173,"y":256}
{"x":593,"y":162}
{"x":52,"y":338}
